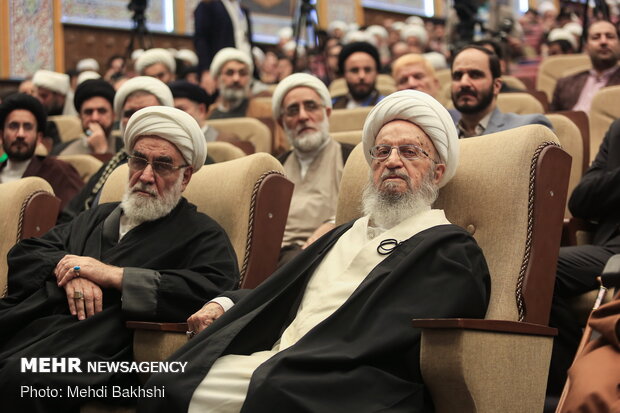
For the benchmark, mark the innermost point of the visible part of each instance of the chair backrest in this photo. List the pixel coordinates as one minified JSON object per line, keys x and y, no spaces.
{"x":246,"y":129}
{"x":86,"y":165}
{"x":224,"y":151}
{"x":29,"y":209}
{"x":511,"y":197}
{"x":342,"y":120}
{"x":352,"y":137}
{"x":572,"y":142}
{"x":514,"y":82}
{"x":69,"y":126}
{"x":603,"y":112}
{"x":444,"y":77}
{"x":249,"y":197}
{"x":553,"y":68}
{"x":520,"y":103}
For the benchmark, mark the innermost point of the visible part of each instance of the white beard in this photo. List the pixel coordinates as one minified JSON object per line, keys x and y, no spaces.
{"x":139,"y":209}
{"x":387,"y":209}
{"x":234,"y":97}
{"x":309,"y":142}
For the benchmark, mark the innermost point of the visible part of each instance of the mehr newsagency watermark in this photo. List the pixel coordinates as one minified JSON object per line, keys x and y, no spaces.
{"x":75,"y":365}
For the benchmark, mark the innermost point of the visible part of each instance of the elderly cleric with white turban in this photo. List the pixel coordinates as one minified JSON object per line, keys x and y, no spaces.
{"x":173,"y":125}
{"x":424,"y":111}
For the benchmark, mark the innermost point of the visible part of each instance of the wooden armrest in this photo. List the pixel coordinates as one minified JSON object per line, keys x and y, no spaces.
{"x":502,"y":326}
{"x":146,"y":325}
{"x":570,"y":228}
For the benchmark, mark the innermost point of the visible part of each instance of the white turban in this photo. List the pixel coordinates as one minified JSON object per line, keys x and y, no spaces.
{"x":298,"y":80}
{"x":425,"y":112}
{"x":573,"y":28}
{"x":87,"y":75}
{"x":285,"y":33}
{"x":152,"y":56}
{"x":87,"y":64}
{"x":136,"y":54}
{"x":416,"y":31}
{"x":227,"y":54}
{"x":337,"y":24}
{"x":142,"y":83}
{"x":415,"y":21}
{"x":562,"y":34}
{"x":188,"y":56}
{"x":377,"y":30}
{"x":173,"y":125}
{"x":436,"y":59}
{"x":54,"y":81}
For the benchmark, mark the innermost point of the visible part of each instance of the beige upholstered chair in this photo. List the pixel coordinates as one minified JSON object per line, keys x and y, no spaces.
{"x":520,"y":103}
{"x":342,"y":120}
{"x":86,"y":165}
{"x":249,"y":197}
{"x":352,"y":137}
{"x":224,"y":151}
{"x":514,"y":82}
{"x":246,"y":129}
{"x":511,"y":198}
{"x":553,"y":68}
{"x":573,"y":143}
{"x":444,"y":76}
{"x":69,"y":126}
{"x":28,"y":208}
{"x":604,"y":110}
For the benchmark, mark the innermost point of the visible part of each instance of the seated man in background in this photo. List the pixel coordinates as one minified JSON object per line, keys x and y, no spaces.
{"x":158,"y":63}
{"x":232,"y":71}
{"x":332,"y":328}
{"x":135,"y":94}
{"x":476,"y":82}
{"x":53,"y":89}
{"x":22,"y":123}
{"x":576,"y":92}
{"x":150,"y":257}
{"x":93,"y":100}
{"x":413,"y":71}
{"x":595,"y":198}
{"x":302,"y":106}
{"x":193,"y":99}
{"x":359,"y":63}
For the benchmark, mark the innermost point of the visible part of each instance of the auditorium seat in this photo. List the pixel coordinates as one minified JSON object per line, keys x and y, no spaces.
{"x":511,"y":199}
{"x":29,"y":209}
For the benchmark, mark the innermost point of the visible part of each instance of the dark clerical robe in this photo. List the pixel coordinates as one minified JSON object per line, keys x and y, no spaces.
{"x":171,"y":267}
{"x":365,"y":356}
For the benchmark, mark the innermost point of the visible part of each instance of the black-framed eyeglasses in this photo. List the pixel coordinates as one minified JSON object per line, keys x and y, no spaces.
{"x":309,"y":106}
{"x":409,"y":152}
{"x":138,"y":163}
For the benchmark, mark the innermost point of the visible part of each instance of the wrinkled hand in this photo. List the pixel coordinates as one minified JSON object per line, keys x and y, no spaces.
{"x":92,"y":300}
{"x":97,"y":140}
{"x":204,"y":317}
{"x":318,"y":233}
{"x":105,"y":276}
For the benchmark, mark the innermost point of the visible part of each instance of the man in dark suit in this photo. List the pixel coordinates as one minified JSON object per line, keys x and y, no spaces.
{"x":476,"y":82}
{"x":596,"y":198}
{"x":219,"y":24}
{"x":576,"y":92}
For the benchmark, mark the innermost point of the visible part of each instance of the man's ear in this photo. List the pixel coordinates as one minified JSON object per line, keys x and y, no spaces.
{"x":497,"y":85}
{"x":328,"y":111}
{"x":280,"y":122}
{"x":440,"y":169}
{"x":39,"y":137}
{"x":187,"y":175}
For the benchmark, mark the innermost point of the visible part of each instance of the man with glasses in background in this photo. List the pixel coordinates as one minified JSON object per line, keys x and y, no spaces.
{"x":332,"y":328}
{"x":301,"y":105}
{"x":151,"y":257}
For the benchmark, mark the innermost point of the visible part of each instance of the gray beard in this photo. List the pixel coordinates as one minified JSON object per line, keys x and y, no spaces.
{"x":234,"y":97}
{"x":139,"y":209}
{"x":388,"y":209}
{"x":309,"y":142}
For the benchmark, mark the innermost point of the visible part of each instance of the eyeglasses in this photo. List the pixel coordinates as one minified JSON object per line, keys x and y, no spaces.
{"x":309,"y":106}
{"x":138,"y":163}
{"x":409,"y":152}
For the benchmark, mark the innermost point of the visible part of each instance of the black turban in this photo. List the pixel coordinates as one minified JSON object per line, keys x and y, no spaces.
{"x":185,"y":89}
{"x":364,"y":47}
{"x":92,"y":88}
{"x":25,"y":102}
